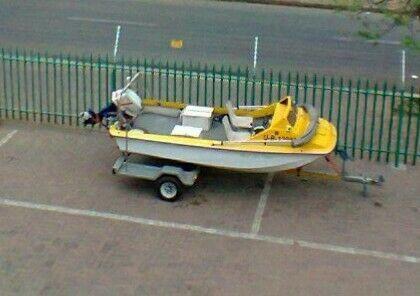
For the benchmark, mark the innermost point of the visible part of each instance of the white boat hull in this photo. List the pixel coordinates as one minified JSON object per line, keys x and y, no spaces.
{"x":219,"y":158}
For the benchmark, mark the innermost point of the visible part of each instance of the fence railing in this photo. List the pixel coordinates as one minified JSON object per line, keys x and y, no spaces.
{"x":374,"y":121}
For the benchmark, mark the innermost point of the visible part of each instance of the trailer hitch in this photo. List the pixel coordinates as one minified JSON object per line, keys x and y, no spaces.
{"x":345,"y":176}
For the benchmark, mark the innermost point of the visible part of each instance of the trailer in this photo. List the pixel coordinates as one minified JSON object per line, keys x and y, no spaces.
{"x":170,"y":178}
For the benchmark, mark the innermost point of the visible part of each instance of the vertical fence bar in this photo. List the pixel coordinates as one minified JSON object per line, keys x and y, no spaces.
{"x":408,"y":131}
{"x":246,"y":86}
{"x":238,"y":82}
{"x":372,"y":125}
{"x":399,"y":128}
{"x":253,"y":88}
{"x":221,"y":84}
{"x":76,"y":67}
{"x":175,"y":74}
{"x":69,"y":90}
{"x":183,"y":82}
{"x":190,"y":84}
{"x":347,"y":124}
{"x":279,"y":85}
{"x":145,"y":78}
{"x":356,"y":115}
{"x":314,"y":86}
{"x":26,"y":83}
{"x":262,"y":87}
{"x":214,"y":85}
{"x":229,"y":82}
{"x":152,"y":78}
{"x":381,"y":125}
{"x":197,"y":88}
{"x":305,"y":88}
{"x":99,"y":80}
{"x":3,"y":63}
{"x":167,"y":81}
{"x":270,"y":93}
{"x":322,"y":96}
{"x":62,"y":87}
{"x":340,"y":97}
{"x":288,"y":84}
{"x":18,"y":84}
{"x":331,"y":99}
{"x":84,"y":85}
{"x":107,"y":92}
{"x":47,"y":92}
{"x":297,"y":99}
{"x":12,"y":88}
{"x":391,"y":121}
{"x":122,"y":71}
{"x":39,"y":87}
{"x":160,"y":80}
{"x":362,"y":144}
{"x":416,"y":141}
{"x":113,"y":81}
{"x":205,"y":84}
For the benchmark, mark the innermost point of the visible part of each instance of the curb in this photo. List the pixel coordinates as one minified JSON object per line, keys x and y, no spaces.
{"x":302,"y":4}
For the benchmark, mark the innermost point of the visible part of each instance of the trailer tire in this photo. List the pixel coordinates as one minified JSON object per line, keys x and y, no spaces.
{"x":169,"y":188}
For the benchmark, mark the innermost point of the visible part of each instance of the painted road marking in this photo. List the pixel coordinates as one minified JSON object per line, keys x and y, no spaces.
{"x":105,"y":21}
{"x":387,"y":42}
{"x":7,"y":137}
{"x":256,"y":224}
{"x":213,"y":231}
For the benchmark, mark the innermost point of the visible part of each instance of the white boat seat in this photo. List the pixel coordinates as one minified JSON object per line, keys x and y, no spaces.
{"x":186,"y":131}
{"x":232,"y":135}
{"x":238,"y":121}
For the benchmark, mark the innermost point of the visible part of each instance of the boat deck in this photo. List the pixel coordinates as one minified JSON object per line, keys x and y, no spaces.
{"x":163,"y":125}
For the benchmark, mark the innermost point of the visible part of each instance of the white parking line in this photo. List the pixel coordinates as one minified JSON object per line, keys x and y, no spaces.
{"x":105,"y":21}
{"x":214,"y":231}
{"x":6,"y":138}
{"x":256,"y":224}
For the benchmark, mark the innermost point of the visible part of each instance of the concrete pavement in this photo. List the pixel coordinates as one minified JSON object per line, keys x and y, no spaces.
{"x":71,"y":227}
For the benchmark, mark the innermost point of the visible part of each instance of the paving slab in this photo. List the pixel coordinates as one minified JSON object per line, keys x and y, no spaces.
{"x":335,"y":212}
{"x":52,"y":254}
{"x":72,"y":167}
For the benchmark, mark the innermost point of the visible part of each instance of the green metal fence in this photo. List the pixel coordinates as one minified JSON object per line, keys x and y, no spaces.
{"x":374,"y":121}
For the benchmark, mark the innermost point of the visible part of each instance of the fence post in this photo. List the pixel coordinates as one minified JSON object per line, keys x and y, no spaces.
{"x":18,"y":83}
{"x":270,"y":94}
{"x":221,"y":85}
{"x":322,"y":96}
{"x":391,"y":121}
{"x":205,"y":84}
{"x":39,"y":87}
{"x":279,"y":85}
{"x":175,"y":73}
{"x":145,"y":78}
{"x":160,"y":80}
{"x":69,"y":90}
{"x":297,"y":87}
{"x":305,"y":88}
{"x":356,"y":115}
{"x":246,"y":86}
{"x":25,"y":82}
{"x":229,"y":82}
{"x":372,"y":125}
{"x":3,"y":63}
{"x":410,"y":112}
{"x":262,"y":87}
{"x":197,"y":88}
{"x":381,"y":126}
{"x":238,"y":81}
{"x":331,"y":99}
{"x":340,"y":97}
{"x":362,"y":145}
{"x":416,"y":141}
{"x":346,"y":130}
{"x":288,"y":84}
{"x":12,"y":88}
{"x":167,"y":80}
{"x":76,"y":69}
{"x":399,"y":128}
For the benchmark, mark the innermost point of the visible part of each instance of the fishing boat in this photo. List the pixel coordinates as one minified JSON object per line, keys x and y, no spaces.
{"x":276,"y":137}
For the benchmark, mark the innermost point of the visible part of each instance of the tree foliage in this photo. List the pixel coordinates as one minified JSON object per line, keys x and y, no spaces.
{"x":402,"y":14}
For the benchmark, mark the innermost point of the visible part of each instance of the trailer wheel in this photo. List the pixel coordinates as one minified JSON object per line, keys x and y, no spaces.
{"x":168,"y":188}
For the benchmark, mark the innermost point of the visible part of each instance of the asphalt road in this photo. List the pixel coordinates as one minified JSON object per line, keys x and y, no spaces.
{"x":295,"y":39}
